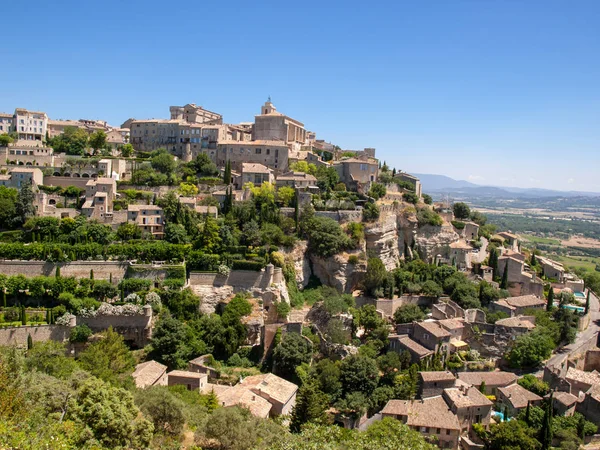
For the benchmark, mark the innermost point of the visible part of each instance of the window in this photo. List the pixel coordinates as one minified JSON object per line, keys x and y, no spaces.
{"x":258,"y":151}
{"x":425,"y":336}
{"x":363,"y":167}
{"x":268,"y":151}
{"x":448,"y":432}
{"x":438,"y":430}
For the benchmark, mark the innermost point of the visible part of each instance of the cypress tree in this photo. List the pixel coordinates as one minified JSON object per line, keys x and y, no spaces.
{"x":23,"y":316}
{"x":482,"y":387}
{"x":57,"y":274}
{"x":91,"y":274}
{"x":550,"y":302}
{"x":504,"y":282}
{"x":122,"y":294}
{"x":297,"y":212}
{"x":4,"y":299}
{"x":587,"y":302}
{"x":110,"y":278}
{"x":546,"y":430}
{"x":29,"y":342}
{"x":227,"y":174}
{"x":533,"y":260}
{"x":481,"y":291}
{"x":528,"y":414}
{"x":310,"y":407}
{"x":48,"y":318}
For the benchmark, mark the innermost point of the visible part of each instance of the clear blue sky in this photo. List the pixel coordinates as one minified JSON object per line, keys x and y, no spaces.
{"x":502,"y":92}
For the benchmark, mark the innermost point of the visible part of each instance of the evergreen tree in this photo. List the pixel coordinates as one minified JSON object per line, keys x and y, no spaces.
{"x":533,"y":260}
{"x":228,"y":205}
{"x":550,"y":302}
{"x":528,"y":414}
{"x":227,"y":174}
{"x":493,"y":262}
{"x":504,"y":282}
{"x":482,"y":387}
{"x":310,"y":406}
{"x":212,"y":401}
{"x":4,"y":299}
{"x":481,"y":292}
{"x":91,"y":274}
{"x":297,"y":212}
{"x":546,"y":430}
{"x":23,"y":316}
{"x":57,"y":273}
{"x":122,"y":294}
{"x":110,"y":278}
{"x":48,"y":317}
{"x":24,"y":205}
{"x":587,"y":302}
{"x":29,"y":342}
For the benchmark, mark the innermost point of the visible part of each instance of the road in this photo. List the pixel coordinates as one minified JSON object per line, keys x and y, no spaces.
{"x":482,"y":254}
{"x":582,"y":337}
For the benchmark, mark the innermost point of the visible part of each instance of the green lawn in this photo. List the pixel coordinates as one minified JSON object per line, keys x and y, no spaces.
{"x":539,"y":240}
{"x":587,"y":262}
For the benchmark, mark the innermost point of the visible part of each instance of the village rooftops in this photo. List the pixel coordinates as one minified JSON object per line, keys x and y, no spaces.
{"x":442,"y":375}
{"x":148,"y":373}
{"x":461,"y":245}
{"x":508,"y":235}
{"x":517,"y":322}
{"x":292,"y":176}
{"x":186,"y":374}
{"x":275,"y":387}
{"x":260,"y":143}
{"x":591,"y":378}
{"x":452,"y":324}
{"x":239,"y":395}
{"x":430,"y":412}
{"x":144,"y":208}
{"x":434,"y":328}
{"x":469,"y":398}
{"x":564,"y":398}
{"x":255,"y":168}
{"x":518,"y":396}
{"x":524,"y":301}
{"x":491,"y":378}
{"x":100,"y":180}
{"x":413,"y":346}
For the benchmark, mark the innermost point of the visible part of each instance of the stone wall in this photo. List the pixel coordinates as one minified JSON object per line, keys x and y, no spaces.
{"x":150,"y":271}
{"x":342,"y":216}
{"x":41,"y":333}
{"x":80,"y":269}
{"x":66,"y":181}
{"x":135,"y":329}
{"x":240,"y":279}
{"x":388,"y":306}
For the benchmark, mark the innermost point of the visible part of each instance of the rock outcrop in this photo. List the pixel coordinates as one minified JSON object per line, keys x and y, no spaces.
{"x":431,"y":241}
{"x":382,"y":240}
{"x":299,"y":256}
{"x":336,"y":272}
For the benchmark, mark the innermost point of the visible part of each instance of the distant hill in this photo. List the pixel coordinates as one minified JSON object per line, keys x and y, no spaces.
{"x":442,"y":184}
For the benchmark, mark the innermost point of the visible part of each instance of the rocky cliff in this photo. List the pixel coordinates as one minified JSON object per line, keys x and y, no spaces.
{"x":431,"y":241}
{"x":382,"y":241}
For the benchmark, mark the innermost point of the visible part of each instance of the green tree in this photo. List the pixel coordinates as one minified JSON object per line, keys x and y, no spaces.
{"x":587,"y":302}
{"x":359,"y":374}
{"x":110,"y":416}
{"x":427,"y":199}
{"x":163,"y":162}
{"x":227,"y":173}
{"x":410,"y":197}
{"x":534,"y":384}
{"x":50,"y":358}
{"x":310,"y":406}
{"x":164,"y":409}
{"x":529,"y":350}
{"x":325,"y":236}
{"x":175,"y":233}
{"x":293,"y":351}
{"x":408,"y":313}
{"x":461,"y":211}
{"x":98,"y":141}
{"x":286,"y":195}
{"x":377,"y":191}
{"x":504,"y":282}
{"x":127,"y":150}
{"x":170,"y":343}
{"x":375,"y":276}
{"x":24,"y":205}
{"x":550,"y":302}
{"x":209,"y":238}
{"x":108,"y":359}
{"x":546,"y":430}
{"x":128,"y":231}
{"x":29,"y":342}
{"x":5,"y":139}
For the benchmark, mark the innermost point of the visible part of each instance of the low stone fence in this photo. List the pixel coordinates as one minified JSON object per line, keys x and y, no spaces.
{"x":241,"y":279}
{"x":136,"y":329}
{"x":388,"y":306}
{"x":39,"y":333}
{"x":80,"y":269}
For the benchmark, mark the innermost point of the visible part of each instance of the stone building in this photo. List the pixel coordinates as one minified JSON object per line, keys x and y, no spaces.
{"x":493,"y":380}
{"x":469,"y":405}
{"x":400,"y":343}
{"x":515,"y":399}
{"x":431,"y":417}
{"x":511,"y":239}
{"x":432,"y":384}
{"x":552,"y":269}
{"x":193,"y":381}
{"x":564,"y":403}
{"x":30,"y":125}
{"x":273,"y":154}
{"x":296,"y":180}
{"x":256,"y":174}
{"x":100,"y":194}
{"x":403,"y":176}
{"x":432,"y":336}
{"x":19,"y":176}
{"x":357,"y":173}
{"x":149,"y":218}
{"x":516,"y":306}
{"x":150,"y":373}
{"x":271,"y":125}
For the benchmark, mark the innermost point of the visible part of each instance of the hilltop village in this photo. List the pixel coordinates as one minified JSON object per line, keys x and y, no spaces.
{"x":189,"y":283}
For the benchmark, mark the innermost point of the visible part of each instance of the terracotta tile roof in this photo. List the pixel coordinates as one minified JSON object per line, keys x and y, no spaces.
{"x":523,"y":301}
{"x":430,"y":412}
{"x":293,"y":176}
{"x":508,"y":235}
{"x":468,"y":398}
{"x":564,"y":398}
{"x":518,"y":322}
{"x":275,"y":387}
{"x":414,"y":346}
{"x":493,"y":379}
{"x":433,"y":328}
{"x":239,"y":395}
{"x":462,"y":245}
{"x":442,"y":375}
{"x":186,"y":374}
{"x":255,"y":168}
{"x":148,"y":373}
{"x":518,"y":396}
{"x":452,"y":324}
{"x":255,"y":143}
{"x":591,"y":378}
{"x":144,"y":207}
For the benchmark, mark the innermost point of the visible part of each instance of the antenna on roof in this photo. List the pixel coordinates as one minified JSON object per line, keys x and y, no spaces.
{"x":269,"y":99}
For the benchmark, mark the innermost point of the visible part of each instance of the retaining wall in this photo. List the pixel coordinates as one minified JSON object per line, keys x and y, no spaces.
{"x":39,"y":333}
{"x":80,"y":269}
{"x":388,"y":306}
{"x":241,"y":279}
{"x":136,"y":329}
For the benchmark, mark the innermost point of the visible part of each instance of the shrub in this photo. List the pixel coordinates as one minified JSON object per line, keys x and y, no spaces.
{"x":80,"y":333}
{"x":135,"y":284}
{"x":283,"y":309}
{"x":247,"y":265}
{"x":370,"y":212}
{"x":410,"y":197}
{"x":426,"y":216}
{"x":277,"y":259}
{"x":458,"y":224}
{"x":353,"y":259}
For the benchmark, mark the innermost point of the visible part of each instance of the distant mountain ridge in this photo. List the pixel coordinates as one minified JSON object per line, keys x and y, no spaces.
{"x":441,"y":184}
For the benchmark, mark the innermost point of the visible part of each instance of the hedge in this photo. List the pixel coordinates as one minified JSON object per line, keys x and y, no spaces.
{"x":130,"y":285}
{"x":247,"y":265}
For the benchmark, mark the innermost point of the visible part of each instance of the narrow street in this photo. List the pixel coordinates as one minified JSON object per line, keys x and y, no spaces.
{"x":583,"y":337}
